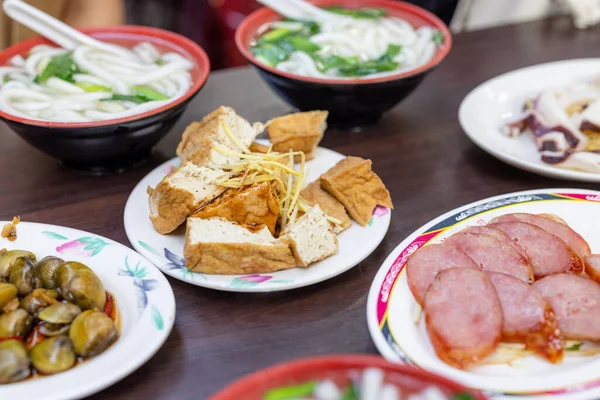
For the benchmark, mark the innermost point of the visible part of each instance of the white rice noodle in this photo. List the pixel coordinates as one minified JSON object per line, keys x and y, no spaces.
{"x":33,"y":60}
{"x":141,"y":108}
{"x":63,"y":86}
{"x":69,"y":116}
{"x":90,"y":79}
{"x":368,"y":40}
{"x":56,"y":99}
{"x":80,"y":57}
{"x":40,"y":47}
{"x":17,"y":61}
{"x":147,"y":53}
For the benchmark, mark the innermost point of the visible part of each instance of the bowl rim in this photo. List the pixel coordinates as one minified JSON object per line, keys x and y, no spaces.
{"x":432,"y":20}
{"x":199,"y":57}
{"x":336,"y":361}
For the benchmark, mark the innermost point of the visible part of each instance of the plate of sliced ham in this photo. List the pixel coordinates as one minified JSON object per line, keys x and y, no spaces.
{"x":544,"y":119}
{"x":502,"y":295}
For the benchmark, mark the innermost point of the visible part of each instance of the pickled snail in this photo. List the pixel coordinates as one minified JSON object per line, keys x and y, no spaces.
{"x":51,"y":312}
{"x":47,"y":268}
{"x":8,"y":292}
{"x":59,"y":313}
{"x":23,"y":277}
{"x":7,"y":260}
{"x":80,"y":285}
{"x":92,"y":332}
{"x":53,"y":355}
{"x":37,"y":300}
{"x":14,"y":361}
{"x":15,"y":323}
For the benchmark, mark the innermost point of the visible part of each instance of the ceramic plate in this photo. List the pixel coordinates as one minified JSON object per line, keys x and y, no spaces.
{"x":142,"y":294}
{"x":392,"y":311}
{"x":166,"y":251}
{"x":498,"y":101}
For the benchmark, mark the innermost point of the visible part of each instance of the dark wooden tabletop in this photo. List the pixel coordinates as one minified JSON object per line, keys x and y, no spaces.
{"x":418,"y":149}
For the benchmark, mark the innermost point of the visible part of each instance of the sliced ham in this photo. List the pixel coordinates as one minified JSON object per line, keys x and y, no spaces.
{"x":554,"y":217}
{"x":528,"y":318}
{"x":423,"y":266}
{"x":492,"y":254}
{"x":548,"y":253}
{"x":463,"y":316}
{"x":576,"y":304}
{"x":592,"y":267}
{"x":559,"y":229}
{"x":498,"y":235}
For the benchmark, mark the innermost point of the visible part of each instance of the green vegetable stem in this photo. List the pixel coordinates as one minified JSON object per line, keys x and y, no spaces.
{"x":92,"y":87}
{"x":142,"y":94}
{"x":364,"y":13}
{"x":291,"y":392}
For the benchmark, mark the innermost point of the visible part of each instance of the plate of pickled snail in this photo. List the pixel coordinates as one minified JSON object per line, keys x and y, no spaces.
{"x":78,"y":312}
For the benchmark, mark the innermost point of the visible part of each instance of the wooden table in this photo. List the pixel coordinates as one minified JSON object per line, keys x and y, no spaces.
{"x":418,"y":149}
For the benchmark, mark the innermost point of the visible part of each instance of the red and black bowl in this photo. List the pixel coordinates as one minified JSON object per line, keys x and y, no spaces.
{"x":114,"y":145}
{"x":341,"y":369}
{"x":352,"y":102}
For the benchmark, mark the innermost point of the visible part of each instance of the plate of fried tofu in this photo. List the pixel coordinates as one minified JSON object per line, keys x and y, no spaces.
{"x":236,"y":213}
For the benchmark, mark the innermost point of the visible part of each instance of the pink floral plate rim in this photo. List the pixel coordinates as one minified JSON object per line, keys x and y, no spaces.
{"x":143,"y":295}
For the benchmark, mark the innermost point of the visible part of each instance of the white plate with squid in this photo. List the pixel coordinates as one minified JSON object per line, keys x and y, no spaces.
{"x":558,"y":101}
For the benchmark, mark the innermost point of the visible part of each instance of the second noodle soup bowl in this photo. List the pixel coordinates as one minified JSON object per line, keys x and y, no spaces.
{"x":115,"y":145}
{"x":350,"y":102}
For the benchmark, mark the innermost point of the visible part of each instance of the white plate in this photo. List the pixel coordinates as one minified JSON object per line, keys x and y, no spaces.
{"x":392,"y":310}
{"x":142,"y":294}
{"x":165,"y":251}
{"x":499,"y":100}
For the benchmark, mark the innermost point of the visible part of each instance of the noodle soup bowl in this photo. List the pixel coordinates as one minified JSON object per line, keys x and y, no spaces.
{"x":115,"y":145}
{"x":350,"y":102}
{"x":342,"y":369}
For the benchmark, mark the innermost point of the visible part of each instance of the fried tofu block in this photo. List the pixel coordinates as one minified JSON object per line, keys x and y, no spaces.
{"x":256,"y":147}
{"x":311,"y":238}
{"x":298,"y":132}
{"x":181,"y":193}
{"x":314,"y":195}
{"x":198,"y":138}
{"x":357,"y":187}
{"x":251,"y":206}
{"x":217,"y":246}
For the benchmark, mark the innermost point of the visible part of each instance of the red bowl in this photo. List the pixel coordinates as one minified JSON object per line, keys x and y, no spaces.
{"x":416,"y":16}
{"x":354,"y":102}
{"x":117,"y":144}
{"x":408,"y":379}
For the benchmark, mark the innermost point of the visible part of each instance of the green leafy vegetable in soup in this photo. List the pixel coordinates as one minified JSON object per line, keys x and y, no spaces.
{"x":143,"y":94}
{"x":369,"y":13}
{"x":369,"y":42}
{"x":61,"y":66}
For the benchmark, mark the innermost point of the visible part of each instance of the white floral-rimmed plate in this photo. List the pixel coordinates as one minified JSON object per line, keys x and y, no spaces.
{"x":492,"y":104}
{"x":165,"y":251}
{"x":142,"y":294}
{"x":392,"y":311}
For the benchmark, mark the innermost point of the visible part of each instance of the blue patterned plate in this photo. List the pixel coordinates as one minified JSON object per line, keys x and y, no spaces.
{"x":165,"y":251}
{"x":142,"y":295}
